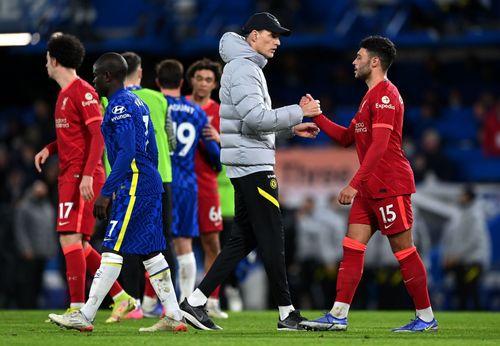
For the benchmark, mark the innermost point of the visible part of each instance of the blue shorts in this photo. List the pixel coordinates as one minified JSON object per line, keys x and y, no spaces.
{"x":184,"y":213}
{"x":135,"y":225}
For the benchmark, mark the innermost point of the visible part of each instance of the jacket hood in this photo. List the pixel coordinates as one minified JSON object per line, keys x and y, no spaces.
{"x":233,"y":46}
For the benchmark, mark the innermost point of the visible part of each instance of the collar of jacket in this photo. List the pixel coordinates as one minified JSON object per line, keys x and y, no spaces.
{"x":233,"y":46}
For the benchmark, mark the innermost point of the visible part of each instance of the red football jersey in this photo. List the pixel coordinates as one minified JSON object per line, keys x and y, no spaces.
{"x":77,"y":106}
{"x":205,"y":174}
{"x":382,"y":106}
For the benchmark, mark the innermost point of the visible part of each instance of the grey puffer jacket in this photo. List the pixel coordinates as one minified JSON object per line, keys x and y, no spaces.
{"x":248,"y":123}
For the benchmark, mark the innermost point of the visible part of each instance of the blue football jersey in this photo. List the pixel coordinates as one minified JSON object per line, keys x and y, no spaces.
{"x":131,"y":147}
{"x":188,"y":120}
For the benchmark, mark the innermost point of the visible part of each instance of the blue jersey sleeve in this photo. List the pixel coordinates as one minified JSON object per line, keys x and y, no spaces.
{"x":125,"y":153}
{"x":152,"y":146}
{"x":212,"y":148}
{"x":213,"y":153}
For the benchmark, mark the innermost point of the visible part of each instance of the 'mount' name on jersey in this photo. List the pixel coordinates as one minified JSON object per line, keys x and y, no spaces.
{"x":176,"y":107}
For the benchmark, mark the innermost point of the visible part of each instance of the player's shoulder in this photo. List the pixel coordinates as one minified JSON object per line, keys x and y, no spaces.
{"x":151,"y":95}
{"x":212,"y":104}
{"x":198,"y":111}
{"x":388,"y":89}
{"x":123,"y":97}
{"x":81,"y":92}
{"x":386,"y":93}
{"x":121,"y":102}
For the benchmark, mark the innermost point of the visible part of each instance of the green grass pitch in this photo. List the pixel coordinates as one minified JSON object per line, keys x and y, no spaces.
{"x":256,"y":328}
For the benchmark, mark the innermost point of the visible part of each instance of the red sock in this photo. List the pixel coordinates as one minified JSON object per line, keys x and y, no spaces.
{"x":414,"y":276}
{"x":215,"y":293}
{"x":93,"y":259}
{"x":75,"y":272}
{"x":350,"y":270}
{"x":148,"y":288}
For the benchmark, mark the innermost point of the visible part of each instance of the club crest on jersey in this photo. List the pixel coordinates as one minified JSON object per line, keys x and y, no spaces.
{"x":273,"y":183}
{"x":65,"y":100}
{"x":118,"y":109}
{"x":385,"y":99}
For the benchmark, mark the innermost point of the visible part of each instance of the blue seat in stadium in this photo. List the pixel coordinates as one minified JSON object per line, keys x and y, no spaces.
{"x":471,"y":165}
{"x":458,"y":126}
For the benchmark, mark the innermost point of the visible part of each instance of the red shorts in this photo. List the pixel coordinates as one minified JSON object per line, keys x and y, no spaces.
{"x":73,"y":213}
{"x":209,"y":214}
{"x":390,"y":215}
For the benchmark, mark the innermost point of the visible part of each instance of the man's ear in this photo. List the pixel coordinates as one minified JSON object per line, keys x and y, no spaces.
{"x":107,"y":76}
{"x":53,"y":62}
{"x":157,"y":82}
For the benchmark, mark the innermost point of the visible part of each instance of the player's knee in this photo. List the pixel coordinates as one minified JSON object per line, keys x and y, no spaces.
{"x":149,"y":256}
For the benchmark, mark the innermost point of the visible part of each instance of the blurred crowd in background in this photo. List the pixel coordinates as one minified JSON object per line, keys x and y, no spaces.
{"x":447,"y":61}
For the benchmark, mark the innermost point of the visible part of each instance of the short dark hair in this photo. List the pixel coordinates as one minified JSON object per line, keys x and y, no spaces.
{"x":67,"y":49}
{"x":114,"y":64}
{"x":470,"y":192}
{"x":381,"y":47}
{"x":133,"y":61}
{"x":169,"y":73}
{"x":204,"y":64}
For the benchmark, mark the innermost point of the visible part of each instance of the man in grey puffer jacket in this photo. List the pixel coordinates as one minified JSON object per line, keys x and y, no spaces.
{"x":249,"y":127}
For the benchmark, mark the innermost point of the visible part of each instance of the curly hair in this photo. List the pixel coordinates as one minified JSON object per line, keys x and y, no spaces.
{"x":67,"y":49}
{"x":204,"y":64}
{"x":382,"y":47}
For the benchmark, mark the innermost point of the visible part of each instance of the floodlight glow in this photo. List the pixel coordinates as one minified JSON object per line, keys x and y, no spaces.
{"x":17,"y":39}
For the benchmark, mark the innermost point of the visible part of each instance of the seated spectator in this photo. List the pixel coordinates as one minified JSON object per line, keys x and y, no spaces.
{"x":431,"y":159}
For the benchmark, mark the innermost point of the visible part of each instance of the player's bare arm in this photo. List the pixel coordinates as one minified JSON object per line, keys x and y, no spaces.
{"x":40,"y":159}
{"x":347,"y":195}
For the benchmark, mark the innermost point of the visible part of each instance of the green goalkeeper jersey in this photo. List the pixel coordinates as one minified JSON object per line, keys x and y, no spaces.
{"x":226,"y":193}
{"x":157,"y":105}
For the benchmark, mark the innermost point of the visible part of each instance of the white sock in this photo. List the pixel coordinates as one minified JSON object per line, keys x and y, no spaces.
{"x":425,"y":315}
{"x":106,"y":275}
{"x":149,"y":303}
{"x":187,"y":274}
{"x":285,"y":311}
{"x":159,"y":275}
{"x":197,"y":298}
{"x":76,"y":305}
{"x":340,"y":310}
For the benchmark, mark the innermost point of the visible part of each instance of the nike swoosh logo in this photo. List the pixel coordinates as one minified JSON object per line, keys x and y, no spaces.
{"x":387,"y":226}
{"x":63,"y":223}
{"x":406,"y":281}
{"x":107,"y":239}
